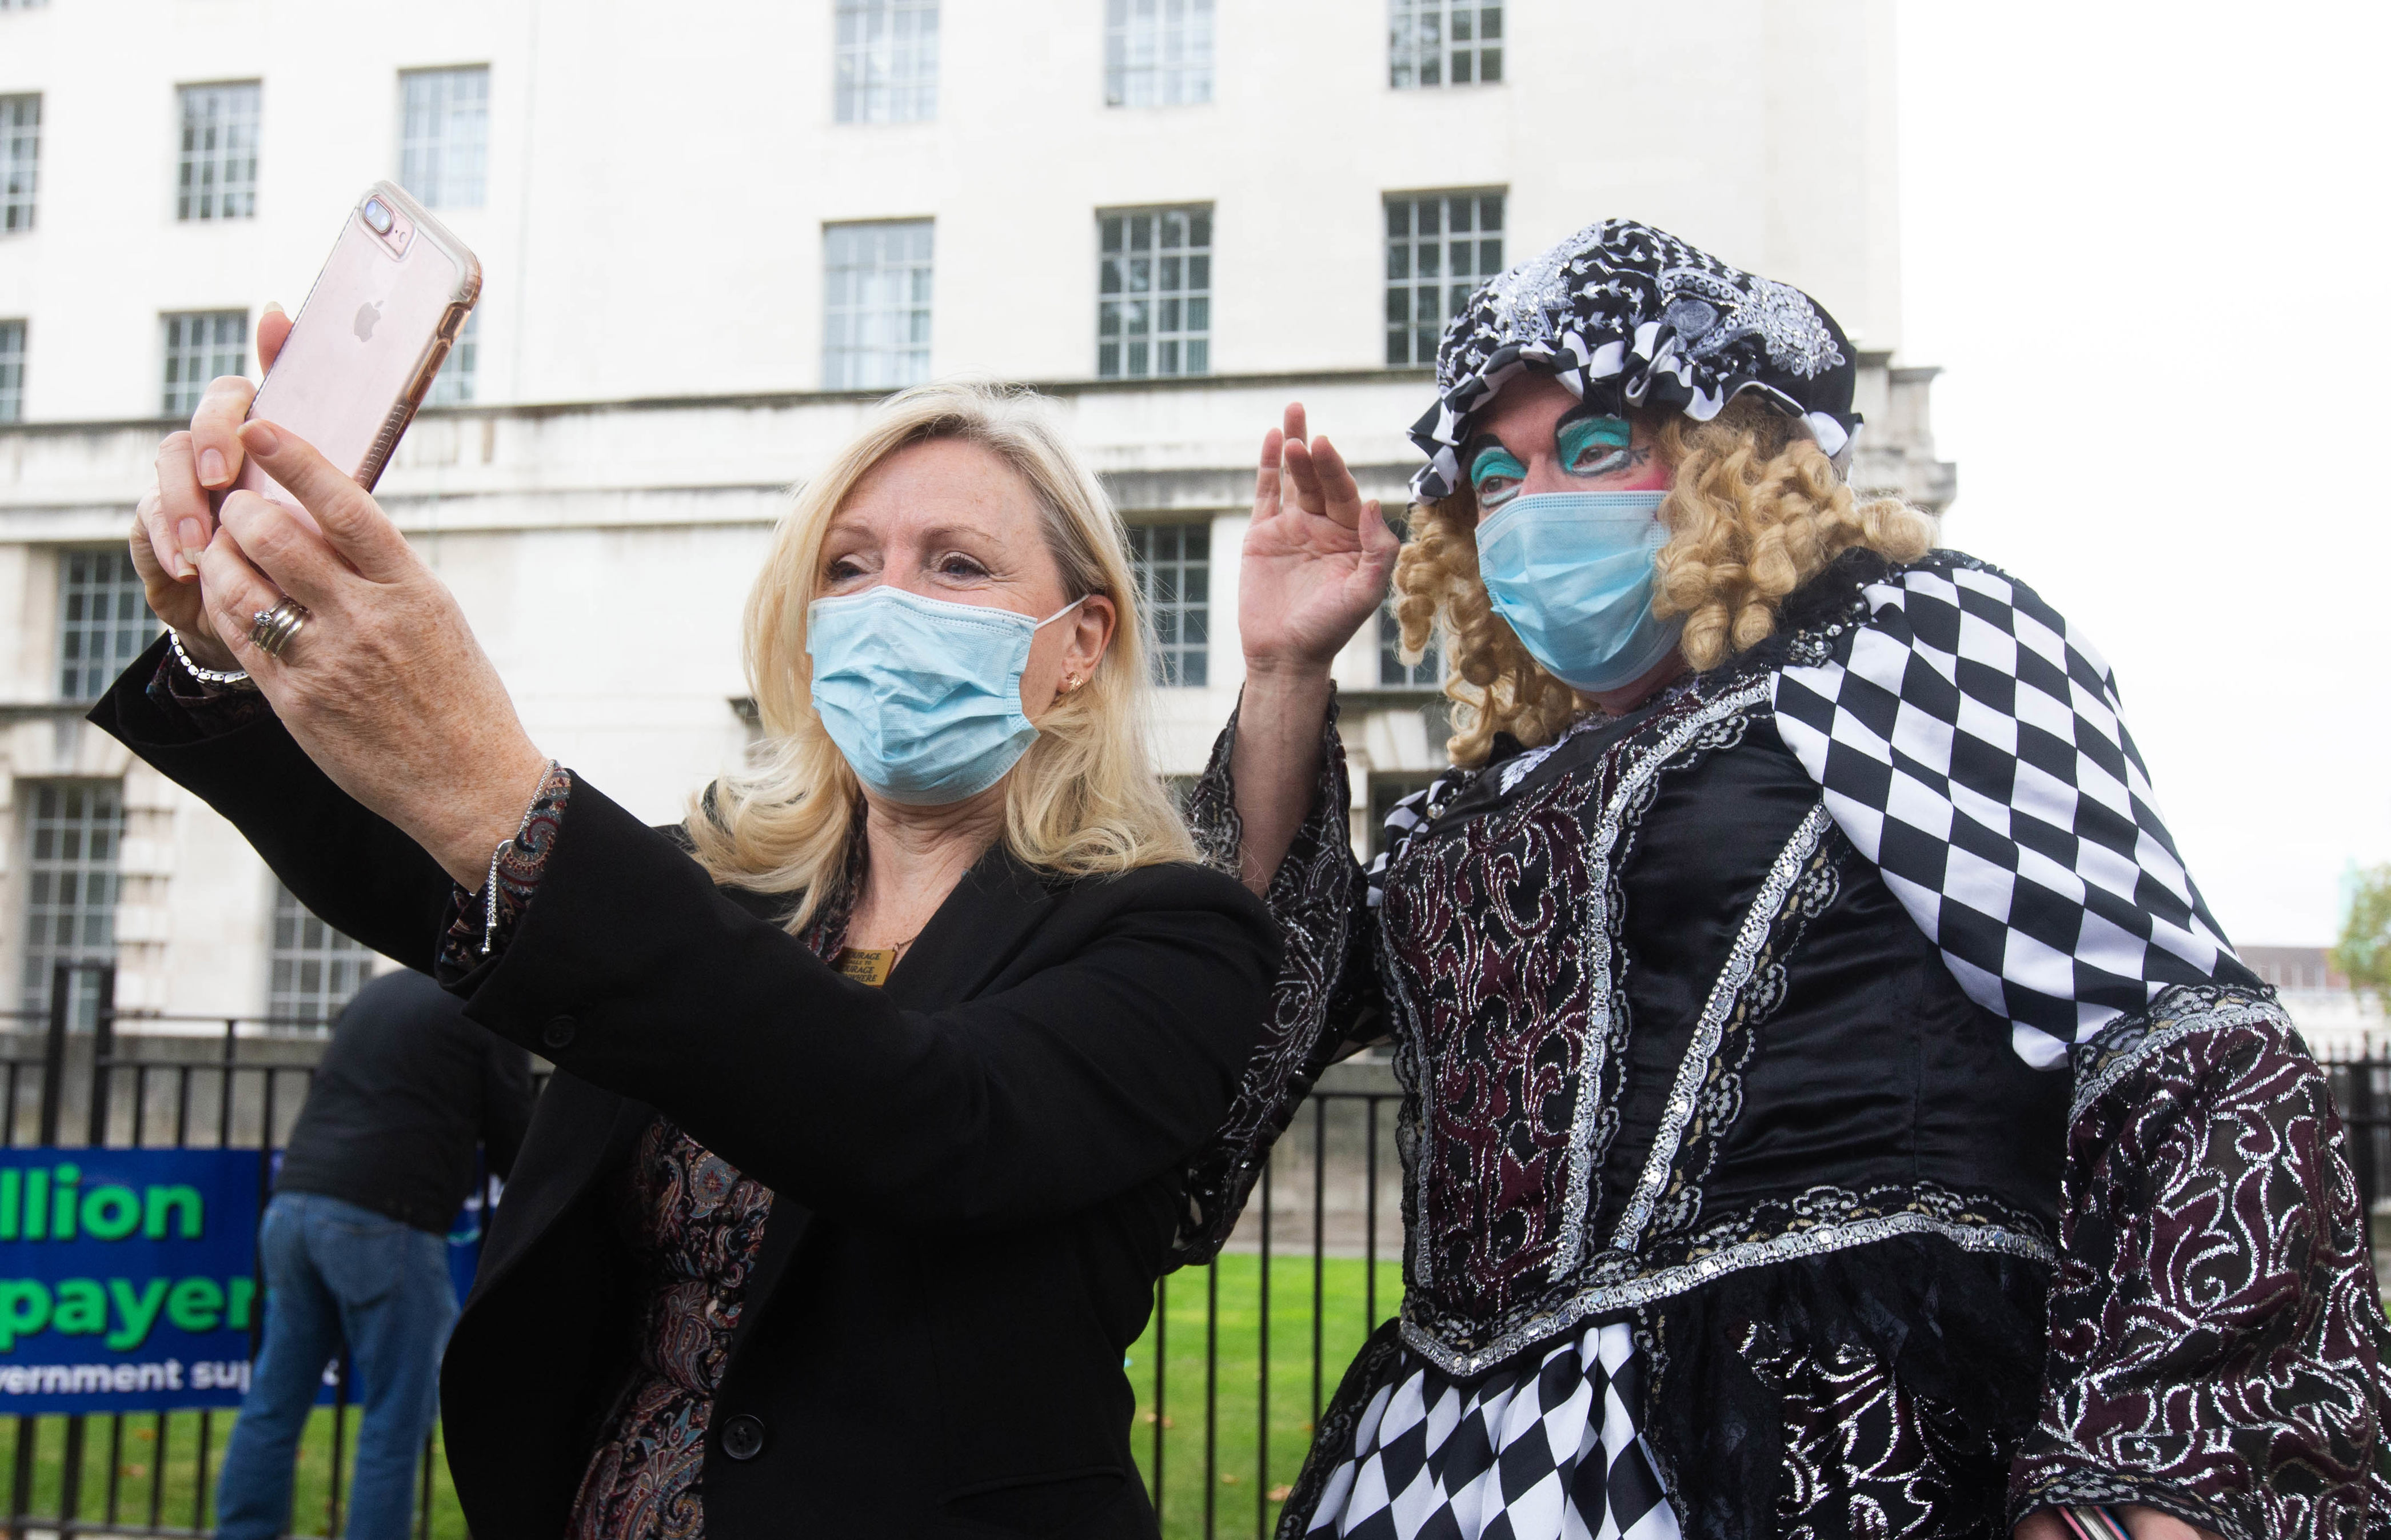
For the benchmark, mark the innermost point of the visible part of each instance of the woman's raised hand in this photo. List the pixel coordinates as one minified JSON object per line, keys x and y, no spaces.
{"x":383,"y":685}
{"x":1316,"y":566}
{"x":173,"y":524}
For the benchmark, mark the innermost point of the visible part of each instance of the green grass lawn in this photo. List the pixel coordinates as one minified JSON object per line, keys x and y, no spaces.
{"x":164,"y":1460}
{"x":1241,"y":1487}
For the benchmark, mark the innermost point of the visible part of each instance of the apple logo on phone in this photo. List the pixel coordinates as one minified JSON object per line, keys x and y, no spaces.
{"x":368,"y":315}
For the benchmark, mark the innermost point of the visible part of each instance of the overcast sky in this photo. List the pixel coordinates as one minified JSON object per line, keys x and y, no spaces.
{"x":2148,"y":244}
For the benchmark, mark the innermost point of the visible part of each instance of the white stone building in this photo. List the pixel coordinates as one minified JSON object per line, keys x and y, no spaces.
{"x":711,"y":239}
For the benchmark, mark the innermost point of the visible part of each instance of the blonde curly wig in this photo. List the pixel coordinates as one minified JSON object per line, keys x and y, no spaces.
{"x":1756,"y":510}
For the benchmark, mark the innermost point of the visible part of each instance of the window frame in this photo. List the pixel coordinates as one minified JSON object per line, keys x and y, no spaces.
{"x":1406,"y":65}
{"x":123,"y":636}
{"x":459,"y":381}
{"x":1421,"y":337}
{"x":38,"y":955}
{"x":441,"y":154}
{"x":180,"y":399}
{"x":1185,"y":82}
{"x":856,"y":97}
{"x":1177,"y":662}
{"x":14,"y":330}
{"x":910,"y":357}
{"x":19,"y":204}
{"x":336,"y":954}
{"x":1115,"y":280}
{"x":223,"y":155}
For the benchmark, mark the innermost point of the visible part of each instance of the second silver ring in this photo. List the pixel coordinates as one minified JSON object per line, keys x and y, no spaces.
{"x":272,"y":631}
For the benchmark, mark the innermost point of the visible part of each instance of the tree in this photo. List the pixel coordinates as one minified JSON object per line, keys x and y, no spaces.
{"x":2364,"y":954}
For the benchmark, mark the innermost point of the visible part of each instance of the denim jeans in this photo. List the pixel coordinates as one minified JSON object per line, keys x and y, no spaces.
{"x":335,"y":1274}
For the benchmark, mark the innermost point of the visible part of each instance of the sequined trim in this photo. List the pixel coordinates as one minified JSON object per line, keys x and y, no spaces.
{"x":1701,"y":730}
{"x":2177,"y":1013}
{"x":1759,"y":920}
{"x":1934,"y":1213}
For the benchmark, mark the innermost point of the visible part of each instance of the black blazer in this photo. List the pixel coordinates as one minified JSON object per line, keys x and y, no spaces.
{"x":975,"y":1169}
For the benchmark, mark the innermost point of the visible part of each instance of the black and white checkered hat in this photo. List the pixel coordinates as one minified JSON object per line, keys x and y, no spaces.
{"x":1623,"y":312}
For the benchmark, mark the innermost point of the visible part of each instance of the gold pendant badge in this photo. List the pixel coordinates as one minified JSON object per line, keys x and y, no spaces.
{"x":866,"y":964}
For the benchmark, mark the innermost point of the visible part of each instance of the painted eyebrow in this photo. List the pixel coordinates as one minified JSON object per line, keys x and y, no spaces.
{"x":1479,"y":445}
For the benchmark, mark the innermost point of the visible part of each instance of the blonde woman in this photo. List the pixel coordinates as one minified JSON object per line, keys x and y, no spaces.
{"x":1830,"y":1107}
{"x":873,"y":1081}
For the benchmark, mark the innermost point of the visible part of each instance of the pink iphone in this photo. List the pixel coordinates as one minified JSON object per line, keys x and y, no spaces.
{"x":363,"y":349}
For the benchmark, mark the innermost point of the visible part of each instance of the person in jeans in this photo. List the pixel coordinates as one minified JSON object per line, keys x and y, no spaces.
{"x":355,"y":1246}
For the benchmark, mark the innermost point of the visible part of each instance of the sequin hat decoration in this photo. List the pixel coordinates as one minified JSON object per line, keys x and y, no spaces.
{"x":1624,"y":310}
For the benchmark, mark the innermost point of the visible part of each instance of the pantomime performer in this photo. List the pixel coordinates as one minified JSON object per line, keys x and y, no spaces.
{"x":1829,"y":1106}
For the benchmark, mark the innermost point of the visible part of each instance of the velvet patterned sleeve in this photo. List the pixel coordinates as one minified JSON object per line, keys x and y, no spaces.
{"x":481,"y":924}
{"x":209,"y":710}
{"x":2217,"y":1345}
{"x":1324,"y":999}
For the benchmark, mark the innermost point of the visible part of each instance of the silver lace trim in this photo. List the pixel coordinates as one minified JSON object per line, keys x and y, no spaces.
{"x":1570,"y":1242}
{"x":2164,"y":1032}
{"x":1733,"y":978}
{"x":1814,"y":1240}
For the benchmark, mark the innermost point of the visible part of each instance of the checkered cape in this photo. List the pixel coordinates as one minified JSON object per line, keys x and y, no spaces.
{"x":1545,"y":1449}
{"x":1970,"y":742}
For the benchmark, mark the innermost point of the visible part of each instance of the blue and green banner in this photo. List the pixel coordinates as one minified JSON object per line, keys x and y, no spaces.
{"x":127,"y":1279}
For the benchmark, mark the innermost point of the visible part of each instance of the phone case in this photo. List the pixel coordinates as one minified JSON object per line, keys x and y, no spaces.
{"x":365,"y":346}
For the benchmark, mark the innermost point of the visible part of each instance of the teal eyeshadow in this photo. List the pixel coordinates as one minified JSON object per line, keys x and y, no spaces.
{"x":1587,"y":433}
{"x":1495,"y":462}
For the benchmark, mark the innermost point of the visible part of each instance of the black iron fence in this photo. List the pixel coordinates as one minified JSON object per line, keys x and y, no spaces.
{"x":1229,"y":1376}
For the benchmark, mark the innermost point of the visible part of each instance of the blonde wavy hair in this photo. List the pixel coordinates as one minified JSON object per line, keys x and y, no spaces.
{"x":1756,"y":510}
{"x":1084,"y":800}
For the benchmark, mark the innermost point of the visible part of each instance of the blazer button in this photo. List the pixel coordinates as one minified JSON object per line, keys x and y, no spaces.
{"x":743,"y":1437}
{"x":558,"y":1032}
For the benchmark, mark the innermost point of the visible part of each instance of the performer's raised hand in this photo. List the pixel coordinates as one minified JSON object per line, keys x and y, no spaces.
{"x":1315,"y":564}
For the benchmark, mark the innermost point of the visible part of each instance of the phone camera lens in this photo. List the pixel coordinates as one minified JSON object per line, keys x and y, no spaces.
{"x":378,"y":216}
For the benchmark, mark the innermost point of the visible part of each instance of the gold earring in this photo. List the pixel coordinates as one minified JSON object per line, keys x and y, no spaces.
{"x":1070,"y":682}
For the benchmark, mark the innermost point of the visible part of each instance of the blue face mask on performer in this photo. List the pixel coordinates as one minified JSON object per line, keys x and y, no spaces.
{"x":1572,"y":573}
{"x":923,"y":697}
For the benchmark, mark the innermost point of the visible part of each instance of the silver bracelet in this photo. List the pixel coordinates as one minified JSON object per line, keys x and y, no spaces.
{"x":497,"y":853}
{"x":223,"y":678}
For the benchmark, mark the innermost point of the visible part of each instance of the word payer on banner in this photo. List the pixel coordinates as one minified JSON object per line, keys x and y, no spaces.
{"x":127,"y":1279}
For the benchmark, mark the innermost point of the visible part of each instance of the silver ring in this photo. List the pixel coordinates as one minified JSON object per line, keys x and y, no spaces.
{"x":271,"y":632}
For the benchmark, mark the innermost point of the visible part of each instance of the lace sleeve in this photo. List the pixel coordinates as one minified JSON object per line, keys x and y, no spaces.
{"x":1326,"y":997}
{"x":2217,"y":1341}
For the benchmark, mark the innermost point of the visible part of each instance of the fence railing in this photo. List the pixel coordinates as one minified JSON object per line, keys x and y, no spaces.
{"x":1229,"y":1376}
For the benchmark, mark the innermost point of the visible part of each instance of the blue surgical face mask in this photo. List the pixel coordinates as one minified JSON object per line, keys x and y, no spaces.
{"x":1572,"y":573}
{"x":922,"y":696}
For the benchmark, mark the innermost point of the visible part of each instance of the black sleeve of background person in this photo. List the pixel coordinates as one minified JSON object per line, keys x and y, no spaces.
{"x":1073,"y":1081}
{"x":351,"y":869}
{"x":506,"y":1100}
{"x":395,"y":1112}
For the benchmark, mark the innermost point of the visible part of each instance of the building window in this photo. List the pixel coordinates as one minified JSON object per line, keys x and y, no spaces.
{"x":103,"y":621}
{"x":1441,"y":246}
{"x":1443,"y":43}
{"x":888,"y":60}
{"x":72,"y":829}
{"x":453,"y":386}
{"x":200,"y":346}
{"x":315,"y":968}
{"x":219,"y":165}
{"x":876,"y":305}
{"x":12,"y":371}
{"x":21,"y":156}
{"x":1154,"y":303}
{"x":1392,"y":669}
{"x":444,"y":135}
{"x":1158,"y":53}
{"x":1175,"y":581}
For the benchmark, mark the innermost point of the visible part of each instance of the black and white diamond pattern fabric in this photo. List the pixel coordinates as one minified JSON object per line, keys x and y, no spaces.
{"x":1546,"y":1449}
{"x":1971,"y":745}
{"x":1404,"y":820}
